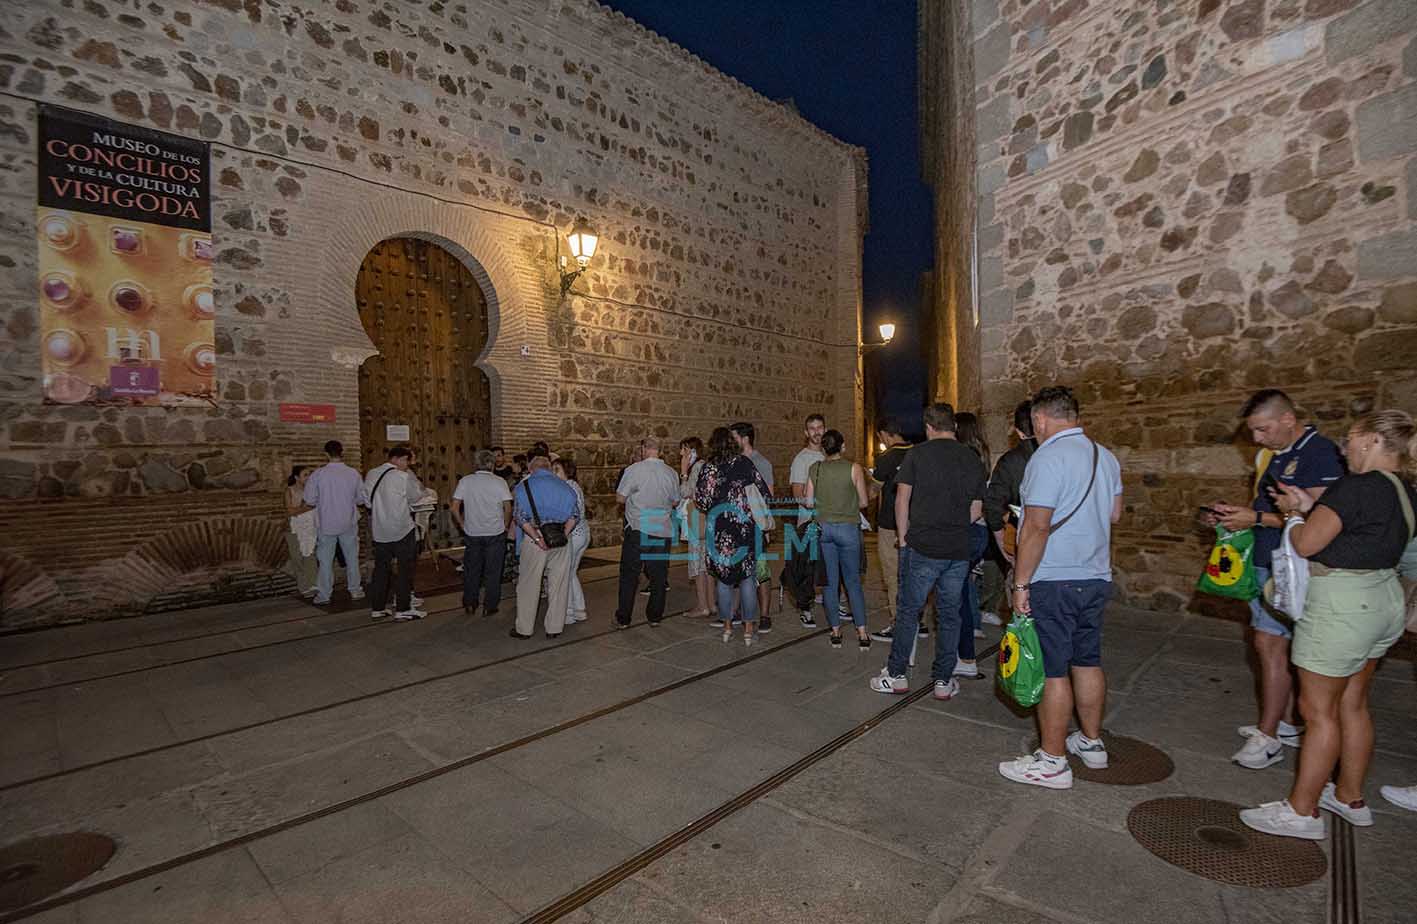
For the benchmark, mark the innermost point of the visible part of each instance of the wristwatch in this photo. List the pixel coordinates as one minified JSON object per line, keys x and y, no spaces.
{"x":1259,"y":518}
{"x":1020,"y":587}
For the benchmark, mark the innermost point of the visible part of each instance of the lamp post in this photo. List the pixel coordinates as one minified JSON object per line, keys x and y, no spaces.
{"x":582,"y":240}
{"x":870,"y":379}
{"x":887,"y":331}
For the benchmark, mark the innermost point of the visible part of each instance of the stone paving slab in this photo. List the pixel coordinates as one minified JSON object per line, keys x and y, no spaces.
{"x":909,"y":822}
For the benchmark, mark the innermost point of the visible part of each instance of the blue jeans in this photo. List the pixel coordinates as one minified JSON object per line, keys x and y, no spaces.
{"x":919,"y":574}
{"x":747,"y":597}
{"x":841,"y":547}
{"x":325,"y":557}
{"x":969,"y":601}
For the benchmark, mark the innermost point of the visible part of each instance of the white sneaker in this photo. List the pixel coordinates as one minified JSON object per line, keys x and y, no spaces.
{"x":1291,"y":736}
{"x":965,"y":668}
{"x":990,"y":619}
{"x":978,"y":633}
{"x":408,"y":614}
{"x":1091,"y":751}
{"x":1401,"y":796}
{"x":946,"y":690}
{"x":1355,"y":813}
{"x":1260,"y":751}
{"x":357,"y":594}
{"x":380,"y":614}
{"x":885,"y":683}
{"x":415,"y":600}
{"x":1279,"y":818}
{"x":1038,"y":769}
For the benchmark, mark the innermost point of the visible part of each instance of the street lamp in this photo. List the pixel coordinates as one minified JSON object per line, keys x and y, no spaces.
{"x":582,"y":241}
{"x":887,"y":334}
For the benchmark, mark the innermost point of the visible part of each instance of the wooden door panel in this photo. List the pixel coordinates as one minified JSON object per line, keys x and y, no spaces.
{"x":427,"y":316}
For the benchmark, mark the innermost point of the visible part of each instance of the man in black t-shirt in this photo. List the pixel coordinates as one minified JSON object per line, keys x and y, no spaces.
{"x":939,"y":492}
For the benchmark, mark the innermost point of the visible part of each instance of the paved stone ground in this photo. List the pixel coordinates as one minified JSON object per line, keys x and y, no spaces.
{"x":909,"y":822}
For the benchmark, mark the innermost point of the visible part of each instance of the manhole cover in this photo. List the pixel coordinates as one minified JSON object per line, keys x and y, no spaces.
{"x":33,"y":869}
{"x":1206,"y":837}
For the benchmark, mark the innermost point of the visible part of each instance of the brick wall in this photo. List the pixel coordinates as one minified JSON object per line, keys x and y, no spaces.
{"x":727,"y":283}
{"x":1180,"y":203}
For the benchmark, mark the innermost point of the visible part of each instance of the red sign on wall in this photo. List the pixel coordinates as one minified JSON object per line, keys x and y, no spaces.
{"x":307,"y":413}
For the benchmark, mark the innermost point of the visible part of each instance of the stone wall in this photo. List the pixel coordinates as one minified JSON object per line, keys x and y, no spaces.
{"x":1183,"y":202}
{"x":727,"y":284}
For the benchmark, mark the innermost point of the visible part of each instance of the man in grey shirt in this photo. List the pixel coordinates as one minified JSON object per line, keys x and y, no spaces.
{"x":649,"y":489}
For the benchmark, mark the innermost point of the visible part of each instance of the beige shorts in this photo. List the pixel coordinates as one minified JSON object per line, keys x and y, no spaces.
{"x":1350,"y":617}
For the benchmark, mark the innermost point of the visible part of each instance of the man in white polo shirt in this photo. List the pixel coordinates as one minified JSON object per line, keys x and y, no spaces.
{"x":649,"y":489}
{"x":482,"y":508}
{"x":1072,"y":494}
{"x":391,"y":491}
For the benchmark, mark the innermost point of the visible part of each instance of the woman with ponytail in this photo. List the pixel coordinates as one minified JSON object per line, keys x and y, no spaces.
{"x":1354,"y":537}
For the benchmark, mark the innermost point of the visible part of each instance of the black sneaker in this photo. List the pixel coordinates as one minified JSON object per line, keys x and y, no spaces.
{"x":808,"y":620}
{"x":515,"y":634}
{"x":883,"y":635}
{"x":622,"y":625}
{"x":764,"y":625}
{"x":922,"y":632}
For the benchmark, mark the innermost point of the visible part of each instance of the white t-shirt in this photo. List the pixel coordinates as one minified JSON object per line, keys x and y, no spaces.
{"x":798,"y":474}
{"x":482,"y":495}
{"x":390,"y":497}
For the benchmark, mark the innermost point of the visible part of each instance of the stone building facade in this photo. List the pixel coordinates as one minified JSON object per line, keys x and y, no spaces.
{"x":727,"y":284}
{"x":1173,"y":205}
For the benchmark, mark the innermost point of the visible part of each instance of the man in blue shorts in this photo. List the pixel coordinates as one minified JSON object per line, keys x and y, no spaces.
{"x":1296,"y":454}
{"x":1072,"y":494}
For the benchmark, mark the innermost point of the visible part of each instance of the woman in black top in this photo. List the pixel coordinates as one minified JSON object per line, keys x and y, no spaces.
{"x":1353,"y":537}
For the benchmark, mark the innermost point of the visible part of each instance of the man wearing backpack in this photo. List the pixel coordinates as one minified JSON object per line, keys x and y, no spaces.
{"x":391,"y":490}
{"x":1072,"y":494}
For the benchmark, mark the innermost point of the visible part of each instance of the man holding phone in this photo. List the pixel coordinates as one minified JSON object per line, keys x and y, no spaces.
{"x":1297,"y":455}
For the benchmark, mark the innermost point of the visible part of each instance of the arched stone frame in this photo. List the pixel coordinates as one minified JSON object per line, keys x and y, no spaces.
{"x":509,"y":257}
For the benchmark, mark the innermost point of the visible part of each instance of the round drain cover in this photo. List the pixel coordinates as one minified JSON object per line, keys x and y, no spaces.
{"x":1130,"y":762}
{"x":1206,"y":837}
{"x":33,"y":869}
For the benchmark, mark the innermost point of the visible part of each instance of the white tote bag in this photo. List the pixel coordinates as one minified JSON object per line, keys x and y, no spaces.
{"x":1289,"y":577}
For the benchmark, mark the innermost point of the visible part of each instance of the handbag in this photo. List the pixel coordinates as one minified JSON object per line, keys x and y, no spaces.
{"x":1020,"y":672}
{"x":1230,"y":570}
{"x":1288,"y":584}
{"x":1409,"y":555}
{"x":552,"y":534}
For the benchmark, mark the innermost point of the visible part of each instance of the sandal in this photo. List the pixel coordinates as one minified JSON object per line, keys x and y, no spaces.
{"x":836,"y":638}
{"x":864,"y":641}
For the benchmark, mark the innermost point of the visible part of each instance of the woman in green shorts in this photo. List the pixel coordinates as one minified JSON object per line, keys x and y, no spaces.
{"x":1353,"y":536}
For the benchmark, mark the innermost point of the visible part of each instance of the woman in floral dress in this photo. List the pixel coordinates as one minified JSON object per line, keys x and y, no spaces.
{"x":732,"y":536}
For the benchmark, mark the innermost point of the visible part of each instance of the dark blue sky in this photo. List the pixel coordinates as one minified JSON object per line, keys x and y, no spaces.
{"x":849,"y":66}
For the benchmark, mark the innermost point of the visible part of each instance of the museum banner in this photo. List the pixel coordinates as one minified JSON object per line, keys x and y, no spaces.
{"x":127,"y":314}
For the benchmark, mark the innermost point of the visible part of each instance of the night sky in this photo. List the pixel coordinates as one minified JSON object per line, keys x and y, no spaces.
{"x":854,"y":76}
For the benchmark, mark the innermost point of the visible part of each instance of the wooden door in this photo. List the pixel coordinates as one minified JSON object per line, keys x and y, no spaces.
{"x":427,"y":316}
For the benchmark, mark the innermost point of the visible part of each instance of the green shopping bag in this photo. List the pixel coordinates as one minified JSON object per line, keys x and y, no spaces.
{"x":1230,"y":571}
{"x":1021,"y":662}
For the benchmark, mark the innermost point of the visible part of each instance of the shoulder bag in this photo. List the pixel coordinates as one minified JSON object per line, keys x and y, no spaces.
{"x":1409,"y":585}
{"x":553,"y":534}
{"x":1092,"y":479}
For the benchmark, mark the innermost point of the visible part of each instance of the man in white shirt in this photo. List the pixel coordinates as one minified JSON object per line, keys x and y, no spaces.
{"x":649,"y":489}
{"x":799,"y":573}
{"x":482,"y":508}
{"x":391,"y":490}
{"x":336,"y":492}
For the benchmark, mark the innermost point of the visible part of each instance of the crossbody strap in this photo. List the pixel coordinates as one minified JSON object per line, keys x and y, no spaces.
{"x":1092,"y":479}
{"x":378,"y":481}
{"x":1405,"y":503}
{"x":531,"y":500}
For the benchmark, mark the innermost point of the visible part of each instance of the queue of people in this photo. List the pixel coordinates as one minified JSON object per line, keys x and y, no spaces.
{"x":1044,"y":511}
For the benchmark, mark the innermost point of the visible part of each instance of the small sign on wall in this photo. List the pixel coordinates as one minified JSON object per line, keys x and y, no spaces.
{"x":307,"y":413}
{"x":396,"y":433}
